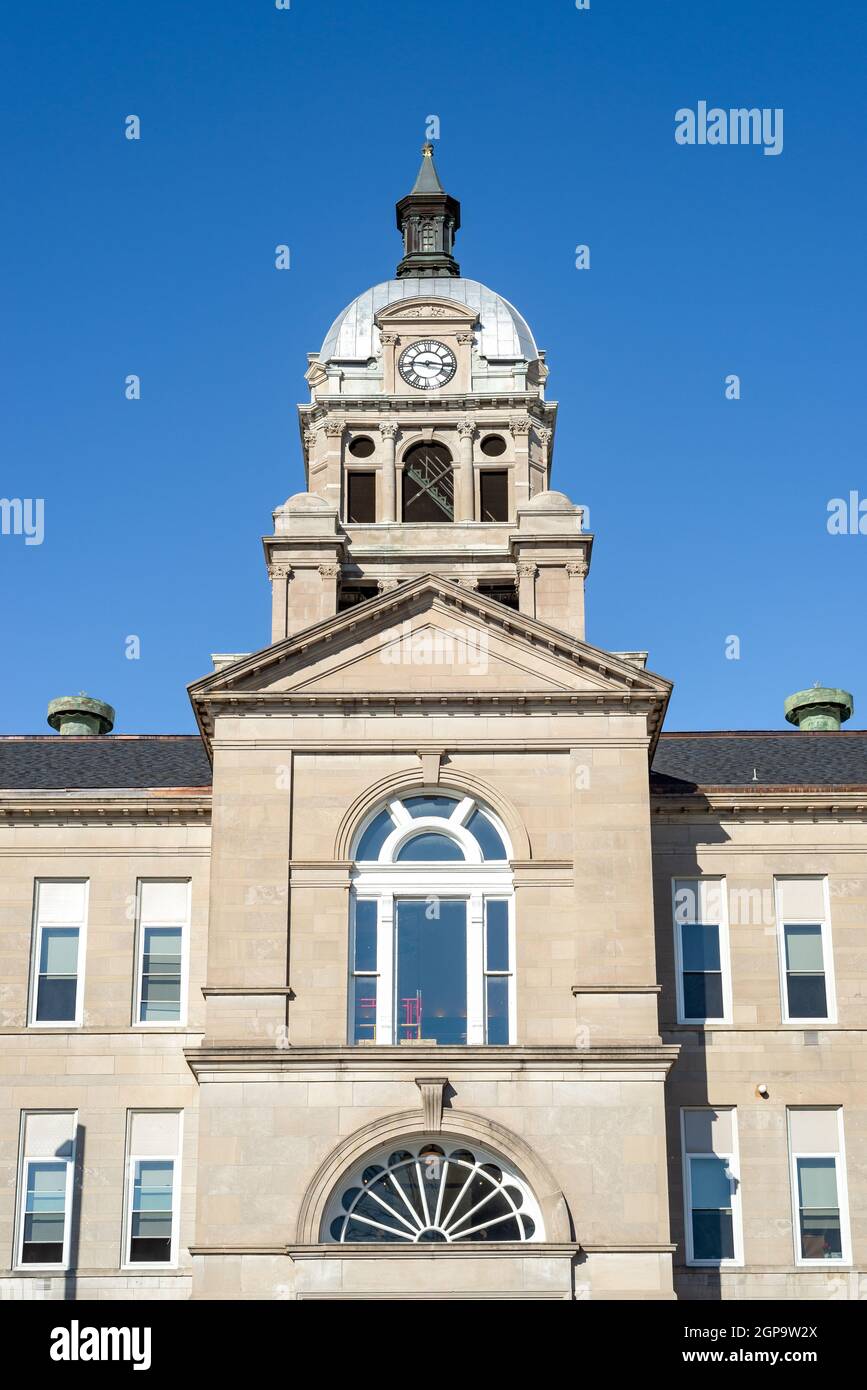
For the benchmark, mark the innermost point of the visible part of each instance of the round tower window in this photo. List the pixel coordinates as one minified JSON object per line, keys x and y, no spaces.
{"x":493,"y":445}
{"x":362,"y":447}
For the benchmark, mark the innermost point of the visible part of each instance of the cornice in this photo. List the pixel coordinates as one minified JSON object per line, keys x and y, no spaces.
{"x":174,"y":804}
{"x":221,"y":1060}
{"x":325,"y":406}
{"x":751,"y":802}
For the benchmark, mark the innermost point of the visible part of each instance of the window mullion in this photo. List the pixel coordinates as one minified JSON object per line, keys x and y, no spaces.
{"x":475,"y":970}
{"x":385,"y":963}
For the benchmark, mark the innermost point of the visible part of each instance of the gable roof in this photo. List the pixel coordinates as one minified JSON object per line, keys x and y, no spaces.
{"x":368,"y":654}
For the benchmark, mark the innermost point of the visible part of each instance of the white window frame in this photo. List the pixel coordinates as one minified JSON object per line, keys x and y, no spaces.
{"x":827,"y":951}
{"x":472,"y":881}
{"x":839,"y":1158}
{"x":175,"y":1159}
{"x":137,"y":1020}
{"x":36,"y":951}
{"x":21,"y":1196}
{"x":733,"y":1164}
{"x":724,"y":952}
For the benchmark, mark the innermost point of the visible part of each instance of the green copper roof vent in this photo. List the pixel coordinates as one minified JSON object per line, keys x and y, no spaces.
{"x":79,"y":714}
{"x":820,"y":708}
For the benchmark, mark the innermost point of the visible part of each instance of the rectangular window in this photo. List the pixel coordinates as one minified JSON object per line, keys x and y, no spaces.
{"x":60,"y":917}
{"x":163,"y":932}
{"x":493,"y":495}
{"x":45,"y":1188}
{"x":711,"y":1187}
{"x":498,"y":974}
{"x":153,"y":1187}
{"x":365,"y":978}
{"x":360,"y":497}
{"x":701,"y":951}
{"x":806,"y":961}
{"x":431,"y":970}
{"x":819,"y":1200}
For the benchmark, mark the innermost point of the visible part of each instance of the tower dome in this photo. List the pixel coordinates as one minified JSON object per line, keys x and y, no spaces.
{"x":501,"y":334}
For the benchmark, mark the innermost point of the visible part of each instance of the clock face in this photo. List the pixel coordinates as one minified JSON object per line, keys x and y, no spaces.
{"x":427,"y":365}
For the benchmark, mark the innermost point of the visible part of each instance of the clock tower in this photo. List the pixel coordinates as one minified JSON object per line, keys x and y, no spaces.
{"x":428,"y":444}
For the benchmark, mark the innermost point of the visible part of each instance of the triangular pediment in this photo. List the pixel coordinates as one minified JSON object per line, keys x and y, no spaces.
{"x":431,"y":636}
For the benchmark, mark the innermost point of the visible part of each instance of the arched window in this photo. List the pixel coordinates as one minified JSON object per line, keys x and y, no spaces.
{"x":428,"y":484}
{"x":435,"y":1191}
{"x":432,"y":925}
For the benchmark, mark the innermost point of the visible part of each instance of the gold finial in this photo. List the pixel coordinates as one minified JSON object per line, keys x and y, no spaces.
{"x":427,"y":149}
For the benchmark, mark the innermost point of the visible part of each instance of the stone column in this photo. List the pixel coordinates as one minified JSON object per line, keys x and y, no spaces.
{"x":464,"y":498}
{"x":577,"y":572}
{"x":388,"y":434}
{"x":329,"y":573}
{"x":527,"y":571}
{"x":279,"y":576}
{"x":520,"y":427}
{"x":331,"y":490}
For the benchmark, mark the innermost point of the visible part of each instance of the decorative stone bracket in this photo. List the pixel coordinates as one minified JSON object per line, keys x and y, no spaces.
{"x":432,"y":1091}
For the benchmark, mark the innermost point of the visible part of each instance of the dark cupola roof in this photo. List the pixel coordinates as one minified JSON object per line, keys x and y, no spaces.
{"x":428,"y":219}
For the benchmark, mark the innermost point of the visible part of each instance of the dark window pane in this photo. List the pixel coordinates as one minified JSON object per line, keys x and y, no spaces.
{"x":503,"y":593}
{"x":365,"y":934}
{"x":490,"y":843}
{"x":55,"y":1000}
{"x":361,"y":497}
{"x":700,"y":947}
{"x":375,"y":836}
{"x":493,"y":445}
{"x":712,"y":1235}
{"x":497,"y":1031}
{"x":361,"y":447}
{"x":497,"y":920}
{"x":430,"y":805}
{"x":494,"y":496}
{"x":807,"y":997}
{"x":364,"y":1008}
{"x":428,"y":484}
{"x":351,"y":595}
{"x":702,"y":996}
{"x":432,"y":970}
{"x":821,"y":1237}
{"x":42,"y":1254}
{"x":429,"y":846}
{"x":150,"y":1250}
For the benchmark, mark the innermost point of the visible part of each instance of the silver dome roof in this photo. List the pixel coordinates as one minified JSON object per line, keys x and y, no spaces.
{"x":504,"y":335}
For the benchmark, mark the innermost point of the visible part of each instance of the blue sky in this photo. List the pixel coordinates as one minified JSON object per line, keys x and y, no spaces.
{"x":262,"y":126}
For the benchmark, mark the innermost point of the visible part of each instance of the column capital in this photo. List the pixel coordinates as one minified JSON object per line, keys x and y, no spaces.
{"x":527,"y":569}
{"x":388,"y":429}
{"x":329,"y":570}
{"x":334,"y":428}
{"x":520,"y":424}
{"x":577,"y":569}
{"x":466,"y":428}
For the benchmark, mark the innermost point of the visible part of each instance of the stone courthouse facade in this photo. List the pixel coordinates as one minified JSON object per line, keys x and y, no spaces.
{"x":431,"y":936}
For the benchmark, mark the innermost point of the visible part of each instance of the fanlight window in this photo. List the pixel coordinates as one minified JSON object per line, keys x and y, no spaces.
{"x":434,"y":1192}
{"x":432,"y":925}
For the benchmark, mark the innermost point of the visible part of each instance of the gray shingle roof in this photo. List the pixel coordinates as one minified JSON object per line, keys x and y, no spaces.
{"x":772,"y":759}
{"x":54,"y":762}
{"x":51,"y":762}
